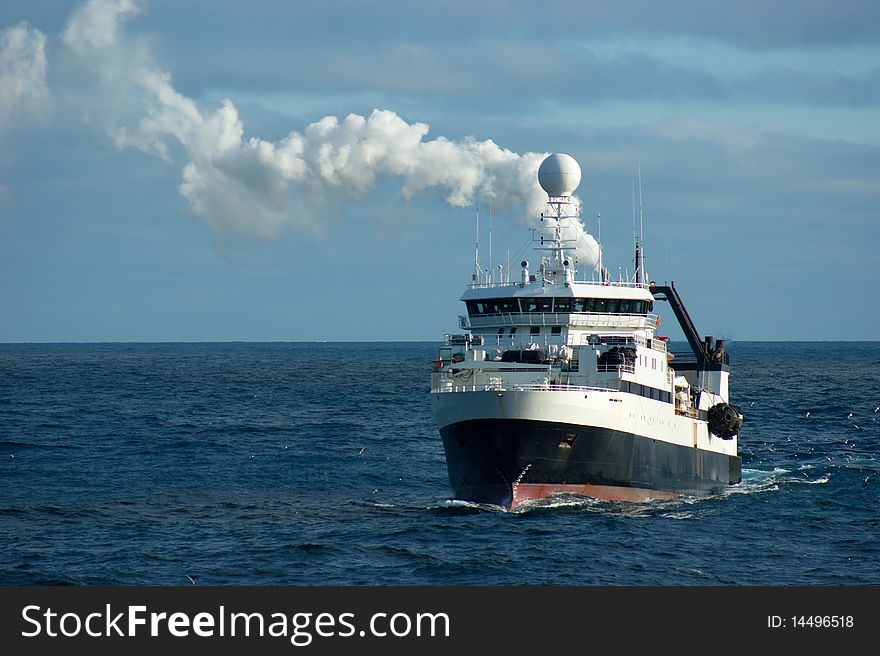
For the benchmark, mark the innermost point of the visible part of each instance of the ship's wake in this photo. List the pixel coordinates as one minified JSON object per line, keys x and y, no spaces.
{"x":762,"y":480}
{"x":754,"y":481}
{"x":564,"y":503}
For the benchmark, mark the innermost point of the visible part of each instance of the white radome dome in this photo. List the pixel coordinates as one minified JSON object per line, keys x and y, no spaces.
{"x":559,"y":175}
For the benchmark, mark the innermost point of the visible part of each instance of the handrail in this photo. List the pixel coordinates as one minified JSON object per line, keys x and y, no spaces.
{"x":595,"y":283}
{"x":525,"y":340}
{"x":616,"y":368}
{"x":575,"y":319}
{"x":521,"y":387}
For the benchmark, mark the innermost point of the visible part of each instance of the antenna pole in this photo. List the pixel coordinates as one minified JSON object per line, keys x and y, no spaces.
{"x":641,"y":230}
{"x":490,"y":236}
{"x":477,"y":270}
{"x":599,"y":218}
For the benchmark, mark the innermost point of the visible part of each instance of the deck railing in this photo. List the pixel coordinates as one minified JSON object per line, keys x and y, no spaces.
{"x":616,"y":368}
{"x":520,"y":387}
{"x":595,"y":283}
{"x":573,"y":319}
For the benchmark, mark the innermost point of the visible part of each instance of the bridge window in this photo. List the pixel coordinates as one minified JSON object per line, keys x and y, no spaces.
{"x":610,"y":305}
{"x":537,"y":304}
{"x":546,"y":304}
{"x":529,"y":304}
{"x":508,"y":305}
{"x":493,"y":306}
{"x":562,"y":305}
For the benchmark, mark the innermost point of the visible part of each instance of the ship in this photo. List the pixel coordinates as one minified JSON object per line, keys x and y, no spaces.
{"x":558,"y":382}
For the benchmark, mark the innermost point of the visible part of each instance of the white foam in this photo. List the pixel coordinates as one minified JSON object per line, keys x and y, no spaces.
{"x":819,"y":481}
{"x":557,"y":501}
{"x":461,"y":503}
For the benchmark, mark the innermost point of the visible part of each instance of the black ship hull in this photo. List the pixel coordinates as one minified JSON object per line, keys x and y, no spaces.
{"x":507,"y":461}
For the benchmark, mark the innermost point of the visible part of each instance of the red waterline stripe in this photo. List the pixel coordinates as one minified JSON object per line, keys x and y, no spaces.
{"x":527,"y":491}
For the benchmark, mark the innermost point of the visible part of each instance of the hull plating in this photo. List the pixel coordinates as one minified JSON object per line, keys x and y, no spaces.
{"x":506,"y":461}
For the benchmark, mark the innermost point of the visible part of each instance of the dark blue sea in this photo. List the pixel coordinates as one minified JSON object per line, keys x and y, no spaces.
{"x":318,"y":463}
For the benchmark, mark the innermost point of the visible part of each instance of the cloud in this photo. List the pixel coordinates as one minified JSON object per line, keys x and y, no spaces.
{"x":97,"y":23}
{"x":500,"y":60}
{"x":23,"y":67}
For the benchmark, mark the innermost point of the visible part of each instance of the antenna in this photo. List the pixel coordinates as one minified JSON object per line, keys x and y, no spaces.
{"x":477,"y":269}
{"x":641,"y":230}
{"x":599,"y":217}
{"x":490,"y":236}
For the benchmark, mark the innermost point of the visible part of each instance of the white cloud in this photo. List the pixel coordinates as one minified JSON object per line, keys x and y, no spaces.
{"x":97,"y":23}
{"x":23,"y":67}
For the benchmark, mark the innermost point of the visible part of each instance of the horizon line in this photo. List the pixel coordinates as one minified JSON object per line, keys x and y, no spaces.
{"x":728,"y":341}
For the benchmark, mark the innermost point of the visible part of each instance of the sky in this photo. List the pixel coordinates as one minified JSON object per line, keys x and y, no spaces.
{"x":220,"y":170}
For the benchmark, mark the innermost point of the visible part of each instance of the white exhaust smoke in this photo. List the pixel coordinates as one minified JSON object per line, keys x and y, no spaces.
{"x":252,"y":187}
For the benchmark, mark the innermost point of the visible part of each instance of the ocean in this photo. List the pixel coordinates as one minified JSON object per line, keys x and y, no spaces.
{"x":318,"y":463}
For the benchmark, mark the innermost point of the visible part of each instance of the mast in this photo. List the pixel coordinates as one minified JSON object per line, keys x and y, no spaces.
{"x":490,"y":239}
{"x":641,"y":264}
{"x":635,"y":237}
{"x":477,"y":269}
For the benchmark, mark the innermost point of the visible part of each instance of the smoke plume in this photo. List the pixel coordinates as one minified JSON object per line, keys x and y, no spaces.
{"x":242,"y":185}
